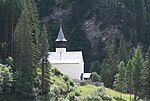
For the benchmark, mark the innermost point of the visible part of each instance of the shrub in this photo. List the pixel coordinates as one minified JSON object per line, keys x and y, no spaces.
{"x":54,"y":92}
{"x":6,"y":78}
{"x":57,"y":72}
{"x":95,"y":77}
{"x":72,"y":97}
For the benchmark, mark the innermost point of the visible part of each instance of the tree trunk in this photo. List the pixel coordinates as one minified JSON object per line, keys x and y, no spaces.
{"x":135,"y":96}
{"x":42,"y":86}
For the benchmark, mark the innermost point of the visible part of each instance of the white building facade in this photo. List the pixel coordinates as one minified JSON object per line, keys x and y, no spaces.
{"x":69,"y":63}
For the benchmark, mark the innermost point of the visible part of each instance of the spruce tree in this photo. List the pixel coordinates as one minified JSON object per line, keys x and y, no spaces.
{"x":129,"y":77}
{"x":35,"y":28}
{"x":148,"y":76}
{"x":120,"y":79}
{"x":45,"y":79}
{"x":109,"y":66}
{"x":123,"y":50}
{"x":138,"y":73}
{"x":25,"y":55}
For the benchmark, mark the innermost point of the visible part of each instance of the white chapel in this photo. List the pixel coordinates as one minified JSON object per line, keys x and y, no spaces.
{"x":68,"y":62}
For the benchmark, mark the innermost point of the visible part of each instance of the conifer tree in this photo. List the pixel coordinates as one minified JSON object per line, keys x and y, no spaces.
{"x":138,"y":73}
{"x":25,"y":55}
{"x":148,"y":76}
{"x":35,"y":28}
{"x":122,"y":50}
{"x":120,"y":79}
{"x":109,"y":67}
{"x":45,"y":87}
{"x":129,"y":79}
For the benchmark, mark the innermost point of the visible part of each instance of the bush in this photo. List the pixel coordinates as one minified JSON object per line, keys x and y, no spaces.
{"x":54,"y":92}
{"x":6,"y":78}
{"x":73,"y":97}
{"x":57,"y":72}
{"x":95,"y":77}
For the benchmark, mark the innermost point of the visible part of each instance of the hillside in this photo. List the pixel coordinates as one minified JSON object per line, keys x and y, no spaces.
{"x":61,"y":88}
{"x":114,"y":36}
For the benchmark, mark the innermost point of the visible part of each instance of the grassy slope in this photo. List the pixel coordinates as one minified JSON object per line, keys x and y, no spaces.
{"x":115,"y":95}
{"x":90,"y":88}
{"x":87,"y":89}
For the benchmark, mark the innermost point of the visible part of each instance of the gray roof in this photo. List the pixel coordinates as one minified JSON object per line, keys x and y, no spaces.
{"x":61,"y":36}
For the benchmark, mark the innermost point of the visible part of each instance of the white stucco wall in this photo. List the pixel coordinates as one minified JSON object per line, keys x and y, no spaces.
{"x":73,"y":70}
{"x":69,"y":63}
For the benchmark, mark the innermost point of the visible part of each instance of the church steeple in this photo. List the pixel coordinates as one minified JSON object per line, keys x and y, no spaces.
{"x":61,"y":40}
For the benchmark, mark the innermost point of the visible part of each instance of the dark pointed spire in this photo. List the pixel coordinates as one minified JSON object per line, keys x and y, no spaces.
{"x":61,"y":36}
{"x":61,"y":41}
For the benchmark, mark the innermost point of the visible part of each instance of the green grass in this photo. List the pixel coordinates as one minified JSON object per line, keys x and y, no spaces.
{"x":87,"y":89}
{"x":115,"y":95}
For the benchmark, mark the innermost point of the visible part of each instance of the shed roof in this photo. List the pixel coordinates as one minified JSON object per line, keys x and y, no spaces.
{"x":86,"y":75}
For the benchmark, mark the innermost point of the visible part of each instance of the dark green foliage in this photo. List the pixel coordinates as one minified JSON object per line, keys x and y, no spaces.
{"x":139,"y":11}
{"x":129,"y":78}
{"x":95,"y":77}
{"x":35,"y":28}
{"x":9,"y":62}
{"x":56,"y":72}
{"x":6,"y":79}
{"x":130,"y":17}
{"x":109,"y":67}
{"x":45,"y":7}
{"x":44,"y":46}
{"x":138,"y":73}
{"x":123,"y":50}
{"x":96,"y":67}
{"x":120,"y":79}
{"x":72,"y":97}
{"x":25,"y":53}
{"x":9,"y":13}
{"x":25,"y":72}
{"x":98,"y":95}
{"x":148,"y":75}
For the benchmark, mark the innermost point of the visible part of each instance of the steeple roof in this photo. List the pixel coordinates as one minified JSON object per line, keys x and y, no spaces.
{"x":61,"y":36}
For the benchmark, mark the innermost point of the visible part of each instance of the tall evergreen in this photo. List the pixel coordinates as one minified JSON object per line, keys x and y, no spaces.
{"x":120,"y":79}
{"x":23,"y":57}
{"x":35,"y":27}
{"x":25,"y":54}
{"x":109,"y":66}
{"x":45,"y":79}
{"x":148,"y":76}
{"x":129,"y":78}
{"x":123,"y":50}
{"x":138,"y":73}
